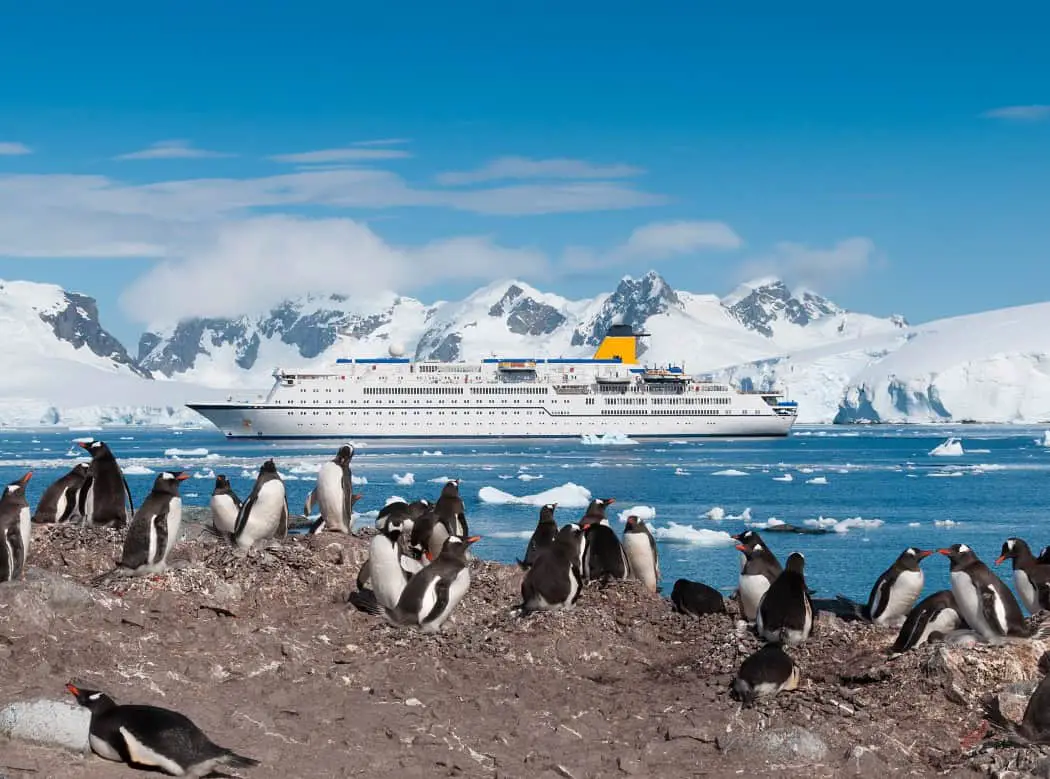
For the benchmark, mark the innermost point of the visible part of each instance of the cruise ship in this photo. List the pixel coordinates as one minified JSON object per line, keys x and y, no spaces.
{"x":398,"y":398}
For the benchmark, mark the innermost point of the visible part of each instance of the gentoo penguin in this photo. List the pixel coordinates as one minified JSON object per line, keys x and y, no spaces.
{"x":1031,"y":578}
{"x":759,"y":570}
{"x":428,"y":535}
{"x":765,"y":673}
{"x":935,"y":613}
{"x":984,"y":602}
{"x":785,"y":615}
{"x":155,"y":527}
{"x":1034,"y":727}
{"x":152,"y":737}
{"x":407,"y":512}
{"x":603,"y":556}
{"x":265,"y":513}
{"x":59,"y":501}
{"x":15,"y":529}
{"x":542,"y":537}
{"x":387,"y":570}
{"x":554,"y":580}
{"x":694,"y":599}
{"x":640,"y":548}
{"x":105,"y":496}
{"x":224,"y":506}
{"x":334,"y":492}
{"x":432,"y":594}
{"x":897,"y":589}
{"x":450,"y":510}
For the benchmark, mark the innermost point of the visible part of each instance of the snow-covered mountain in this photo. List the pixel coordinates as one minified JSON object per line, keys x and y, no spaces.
{"x":840,"y":365}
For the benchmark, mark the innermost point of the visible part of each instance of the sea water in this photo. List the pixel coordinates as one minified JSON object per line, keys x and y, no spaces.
{"x":877,"y":489}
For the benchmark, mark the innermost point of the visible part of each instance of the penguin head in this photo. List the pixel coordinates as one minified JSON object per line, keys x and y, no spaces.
{"x":344,"y":455}
{"x":16,"y":490}
{"x":911,"y":557}
{"x":96,"y":449}
{"x":796,"y":562}
{"x":168,"y":481}
{"x":222,"y":483}
{"x":1012,"y":548}
{"x":81,"y":469}
{"x":92,"y":700}
{"x":958,"y":554}
{"x":547,"y":513}
{"x":392,"y":528}
{"x":451,"y":489}
{"x":747,"y":538}
{"x":455,"y":547}
{"x":268,"y":467}
{"x":570,"y":534}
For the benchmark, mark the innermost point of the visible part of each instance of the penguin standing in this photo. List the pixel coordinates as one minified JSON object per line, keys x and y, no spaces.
{"x":897,"y":589}
{"x":431,"y":595}
{"x":409,"y":513}
{"x":542,"y":537}
{"x":386,"y":571}
{"x":765,"y":673}
{"x":694,"y":599}
{"x":428,"y":535}
{"x":59,"y":501}
{"x":1034,"y":727}
{"x":935,"y":613}
{"x":105,"y":496}
{"x":15,"y":529}
{"x":1031,"y":578}
{"x":984,"y":602}
{"x":152,"y":737}
{"x":450,"y":510}
{"x":642,"y":556}
{"x":759,"y":570}
{"x":785,"y":615}
{"x":334,"y":492}
{"x":265,"y":513}
{"x":603,"y":554}
{"x":554,"y":580}
{"x":155,"y":527}
{"x":224,"y":505}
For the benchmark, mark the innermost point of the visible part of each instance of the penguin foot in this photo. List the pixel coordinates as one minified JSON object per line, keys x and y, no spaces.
{"x":365,"y":600}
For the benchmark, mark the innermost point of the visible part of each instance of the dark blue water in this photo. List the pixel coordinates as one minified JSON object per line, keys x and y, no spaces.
{"x":882,"y":475}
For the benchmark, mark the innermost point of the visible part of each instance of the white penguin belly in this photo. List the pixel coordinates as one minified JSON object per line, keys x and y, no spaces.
{"x":752,"y":588}
{"x":330,"y":497}
{"x":174,"y":525}
{"x":902,"y":596}
{"x":265,"y":513}
{"x":640,"y":559}
{"x":456,"y":591}
{"x":1029,"y":597}
{"x":945,"y":621}
{"x":89,"y":504}
{"x":60,"y":506}
{"x":969,"y":602}
{"x":223,"y":513}
{"x":25,"y":527}
{"x":385,"y":572}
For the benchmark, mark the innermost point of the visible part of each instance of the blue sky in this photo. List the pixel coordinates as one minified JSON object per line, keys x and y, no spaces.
{"x":895,"y":159}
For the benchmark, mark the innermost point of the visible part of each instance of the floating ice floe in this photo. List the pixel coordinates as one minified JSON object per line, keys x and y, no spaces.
{"x":914,"y":524}
{"x":943,"y":474}
{"x":200,"y":452}
{"x":606,"y":439}
{"x":136,"y":470}
{"x":676,"y":533}
{"x":1045,"y":440}
{"x":442,"y":480}
{"x":951,"y":447}
{"x":681,"y":472}
{"x":529,"y":476}
{"x":730,"y":472}
{"x":207,"y":473}
{"x":406,"y":480}
{"x":435,"y":453}
{"x":648,"y":513}
{"x":745,"y":515}
{"x":526,"y":534}
{"x":785,"y":477}
{"x":568,"y":495}
{"x":817,"y":480}
{"x":945,"y":523}
{"x":771,"y":522}
{"x":394,"y":499}
{"x":717,"y":513}
{"x":843,"y":525}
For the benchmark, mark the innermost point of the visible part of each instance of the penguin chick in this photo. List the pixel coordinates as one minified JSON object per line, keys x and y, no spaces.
{"x":764,"y":674}
{"x":152,"y":737}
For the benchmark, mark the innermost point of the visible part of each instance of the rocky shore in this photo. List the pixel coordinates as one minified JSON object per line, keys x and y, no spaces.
{"x":263,"y":653}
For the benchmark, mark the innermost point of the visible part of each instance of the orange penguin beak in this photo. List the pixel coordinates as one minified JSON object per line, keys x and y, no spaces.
{"x":182,"y":476}
{"x":924,"y":553}
{"x":72,"y":689}
{"x":944,"y":552}
{"x":999,"y":559}
{"x":473,"y":539}
{"x":430,"y":557}
{"x":25,"y":479}
{"x":82,"y":444}
{"x":741,"y":547}
{"x":610,"y":501}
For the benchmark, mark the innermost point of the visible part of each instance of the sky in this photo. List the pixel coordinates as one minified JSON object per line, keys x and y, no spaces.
{"x":210,"y":159}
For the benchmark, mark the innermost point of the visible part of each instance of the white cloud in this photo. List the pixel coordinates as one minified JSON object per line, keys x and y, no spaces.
{"x":11,"y":149}
{"x":349,"y":154}
{"x":819,"y":268}
{"x":253,"y":264}
{"x":657,"y":241}
{"x":1019,"y":113}
{"x":171,"y":150}
{"x":525,"y":168}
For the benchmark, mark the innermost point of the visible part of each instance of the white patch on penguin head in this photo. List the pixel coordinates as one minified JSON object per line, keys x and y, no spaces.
{"x":963,"y":548}
{"x":911,"y":550}
{"x":167,"y":475}
{"x":96,"y":444}
{"x":1010,"y":543}
{"x":455,"y":540}
{"x":94,"y":696}
{"x":757,"y":548}
{"x":13,"y":488}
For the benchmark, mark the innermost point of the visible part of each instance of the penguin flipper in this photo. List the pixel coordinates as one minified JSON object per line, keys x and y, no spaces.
{"x":441,"y":595}
{"x":127,"y":491}
{"x":316,"y":526}
{"x":82,"y":496}
{"x":310,"y":500}
{"x":365,"y":600}
{"x":410,"y":565}
{"x":1043,"y":594}
{"x":282,"y":525}
{"x":364,"y":575}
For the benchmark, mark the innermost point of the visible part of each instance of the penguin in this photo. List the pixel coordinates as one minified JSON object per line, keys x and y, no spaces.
{"x":897,"y":589}
{"x":334,"y":492}
{"x":59,"y":501}
{"x":1034,"y":727}
{"x":387,"y":570}
{"x":1044,"y":555}
{"x":224,"y":505}
{"x":554,"y":581}
{"x":105,"y":495}
{"x":431,"y":595}
{"x":152,"y":737}
{"x":428,"y":535}
{"x":935,"y":613}
{"x":595,"y":512}
{"x":640,"y":549}
{"x":785,"y":615}
{"x":15,"y":529}
{"x":604,"y":557}
{"x":450,"y":510}
{"x":759,"y":570}
{"x":1031,"y":578}
{"x":984,"y":602}
{"x":542,"y":537}
{"x":694,"y":599}
{"x":763,"y":674}
{"x":155,"y":527}
{"x":265,"y":513}
{"x":408,"y":512}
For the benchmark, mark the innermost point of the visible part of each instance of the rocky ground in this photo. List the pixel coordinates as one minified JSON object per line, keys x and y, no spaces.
{"x":264,"y":654}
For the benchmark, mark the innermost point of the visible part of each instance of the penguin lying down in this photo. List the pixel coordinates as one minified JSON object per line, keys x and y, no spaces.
{"x":152,"y":737}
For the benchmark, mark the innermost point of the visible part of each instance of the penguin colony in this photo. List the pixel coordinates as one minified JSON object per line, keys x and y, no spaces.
{"x":418,"y":571}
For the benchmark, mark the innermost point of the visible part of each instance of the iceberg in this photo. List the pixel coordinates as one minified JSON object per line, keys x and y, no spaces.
{"x":951,"y":447}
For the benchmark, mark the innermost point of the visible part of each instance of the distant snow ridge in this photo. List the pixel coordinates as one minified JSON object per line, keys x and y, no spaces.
{"x":606,"y":439}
